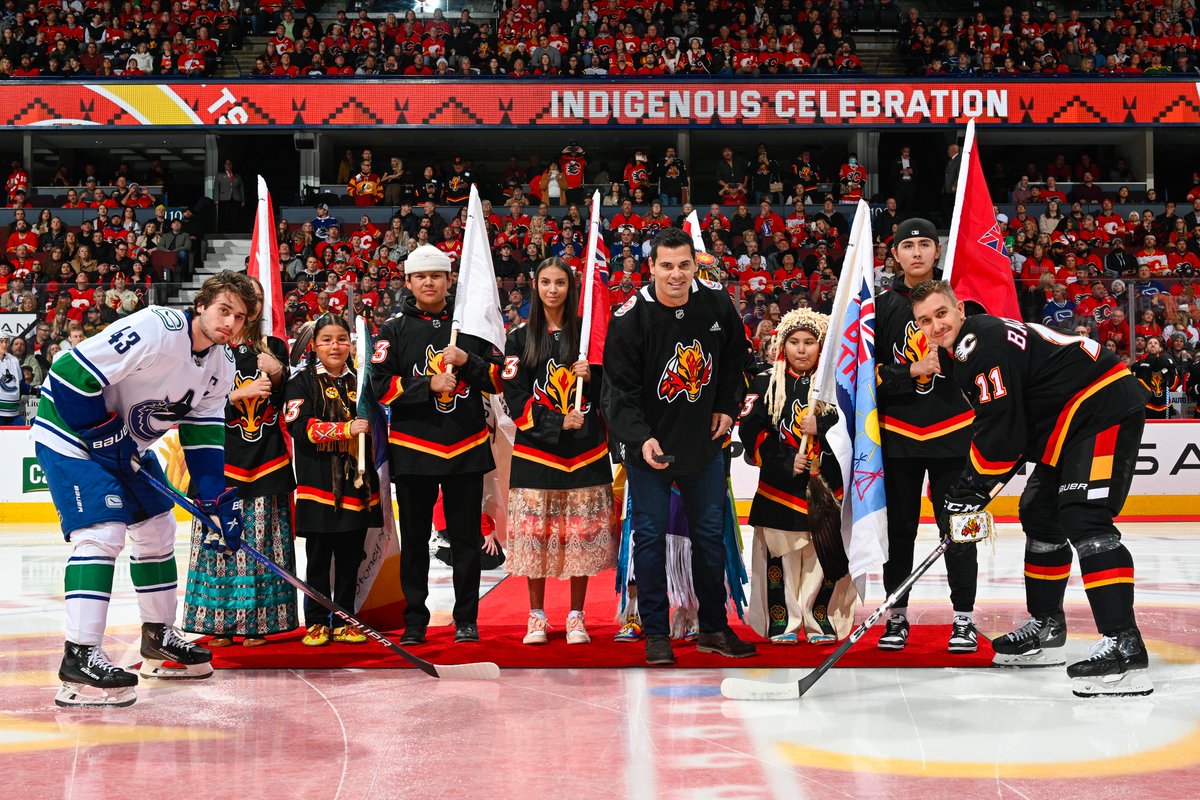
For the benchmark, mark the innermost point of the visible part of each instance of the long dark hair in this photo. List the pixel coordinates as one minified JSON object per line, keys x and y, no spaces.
{"x":335,"y":406}
{"x":538,"y":343}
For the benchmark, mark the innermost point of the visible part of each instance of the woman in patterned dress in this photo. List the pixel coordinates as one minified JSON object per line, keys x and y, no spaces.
{"x":562,"y":519}
{"x":230,"y":596}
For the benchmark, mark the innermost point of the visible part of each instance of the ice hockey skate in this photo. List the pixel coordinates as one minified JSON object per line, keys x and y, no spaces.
{"x":166,"y":654}
{"x":1115,"y":666}
{"x":1037,"y":643}
{"x":90,"y":680}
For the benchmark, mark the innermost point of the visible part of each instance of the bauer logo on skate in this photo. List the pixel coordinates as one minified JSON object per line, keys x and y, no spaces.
{"x":686,"y":373}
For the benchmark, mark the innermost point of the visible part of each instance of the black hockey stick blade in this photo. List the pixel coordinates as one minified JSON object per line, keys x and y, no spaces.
{"x":808,"y":680}
{"x":740,"y":689}
{"x":484,"y":670}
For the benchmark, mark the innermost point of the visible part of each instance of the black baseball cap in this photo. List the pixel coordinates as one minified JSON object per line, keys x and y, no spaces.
{"x":915,"y":228}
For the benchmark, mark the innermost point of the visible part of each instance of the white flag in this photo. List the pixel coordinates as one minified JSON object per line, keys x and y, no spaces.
{"x":846,"y":379}
{"x":477,"y":300}
{"x":692,"y":225}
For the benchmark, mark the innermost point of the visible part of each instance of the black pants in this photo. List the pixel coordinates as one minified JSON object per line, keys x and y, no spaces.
{"x":344,"y":552}
{"x":903,"y":478}
{"x":462,"y":500}
{"x":1085,"y":490}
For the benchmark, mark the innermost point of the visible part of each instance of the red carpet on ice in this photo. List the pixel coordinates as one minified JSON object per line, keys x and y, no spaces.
{"x":502,"y":615}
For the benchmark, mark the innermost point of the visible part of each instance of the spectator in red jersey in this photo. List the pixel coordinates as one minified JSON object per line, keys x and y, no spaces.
{"x":18,"y":180}
{"x":852,"y":178}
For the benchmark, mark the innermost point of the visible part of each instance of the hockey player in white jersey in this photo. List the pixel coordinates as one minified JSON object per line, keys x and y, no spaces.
{"x":103,"y":403}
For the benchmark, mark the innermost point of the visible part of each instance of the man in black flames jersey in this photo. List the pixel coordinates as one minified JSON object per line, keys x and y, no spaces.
{"x":673,"y":384}
{"x":1071,"y":408}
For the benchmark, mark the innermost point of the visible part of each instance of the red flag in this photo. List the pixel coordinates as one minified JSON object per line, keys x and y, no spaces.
{"x":594,"y":309}
{"x":978,"y":265}
{"x":264,"y":264}
{"x":601,"y":310}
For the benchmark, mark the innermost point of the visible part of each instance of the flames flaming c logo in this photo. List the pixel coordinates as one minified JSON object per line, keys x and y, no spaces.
{"x":686,"y":373}
{"x":789,"y":430}
{"x":253,"y":413}
{"x":916,"y":347}
{"x":557,"y":392}
{"x":445,"y":401}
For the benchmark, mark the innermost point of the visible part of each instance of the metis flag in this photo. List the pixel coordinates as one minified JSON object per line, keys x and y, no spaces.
{"x":477,"y":300}
{"x":594,"y":308}
{"x":691,"y":226}
{"x":264,"y":264}
{"x":976,"y":262}
{"x":845,"y":378}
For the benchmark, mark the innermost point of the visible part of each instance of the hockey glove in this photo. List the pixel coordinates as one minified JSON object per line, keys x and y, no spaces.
{"x":226,"y":512}
{"x":964,"y":501}
{"x":110,"y":445}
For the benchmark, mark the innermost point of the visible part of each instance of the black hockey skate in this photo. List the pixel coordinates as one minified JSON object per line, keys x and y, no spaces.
{"x":1037,"y":643}
{"x":166,"y":654}
{"x":90,"y":680}
{"x":1116,"y":665}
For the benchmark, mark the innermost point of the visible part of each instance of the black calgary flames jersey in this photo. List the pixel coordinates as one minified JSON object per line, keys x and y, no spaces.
{"x":324,"y":448}
{"x":1034,"y":390}
{"x":1159,"y":377}
{"x":544,"y":455}
{"x":256,"y":457}
{"x":668,"y":370}
{"x":442,"y":433}
{"x":920,"y":417}
{"x":781,"y":500}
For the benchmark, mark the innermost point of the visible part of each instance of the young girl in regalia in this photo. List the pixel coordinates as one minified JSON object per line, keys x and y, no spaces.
{"x":789,"y":590}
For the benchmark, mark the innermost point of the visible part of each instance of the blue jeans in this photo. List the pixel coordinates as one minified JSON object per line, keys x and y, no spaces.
{"x":703,"y":493}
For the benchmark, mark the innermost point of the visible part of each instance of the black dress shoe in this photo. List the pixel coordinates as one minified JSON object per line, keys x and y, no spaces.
{"x":659,"y":652}
{"x":413,"y":634}
{"x":726,"y":643}
{"x":466,"y":632}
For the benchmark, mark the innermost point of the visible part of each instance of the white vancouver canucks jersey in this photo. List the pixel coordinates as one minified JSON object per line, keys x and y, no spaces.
{"x":141,"y":367}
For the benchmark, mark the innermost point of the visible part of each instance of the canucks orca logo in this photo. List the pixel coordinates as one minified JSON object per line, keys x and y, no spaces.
{"x":150,"y":419}
{"x":8,"y":381}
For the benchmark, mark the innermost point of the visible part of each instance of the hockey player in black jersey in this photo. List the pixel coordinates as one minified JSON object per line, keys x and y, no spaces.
{"x":1071,"y":408}
{"x":925,"y":423}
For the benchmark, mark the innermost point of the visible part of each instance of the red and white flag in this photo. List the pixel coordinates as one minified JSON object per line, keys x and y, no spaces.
{"x":594,"y":306}
{"x":977,"y":262}
{"x":691,"y":226}
{"x":264,"y":264}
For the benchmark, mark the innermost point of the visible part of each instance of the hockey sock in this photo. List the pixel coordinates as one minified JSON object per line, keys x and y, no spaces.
{"x":1108,"y":581}
{"x":1047,"y":567}
{"x":88,"y":588}
{"x":154,"y":580}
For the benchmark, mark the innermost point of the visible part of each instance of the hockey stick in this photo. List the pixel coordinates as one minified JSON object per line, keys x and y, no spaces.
{"x":484,"y":670}
{"x":740,"y":689}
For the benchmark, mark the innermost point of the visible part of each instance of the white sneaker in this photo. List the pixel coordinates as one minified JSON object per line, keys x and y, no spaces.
{"x":576,"y":632}
{"x":535,"y":632}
